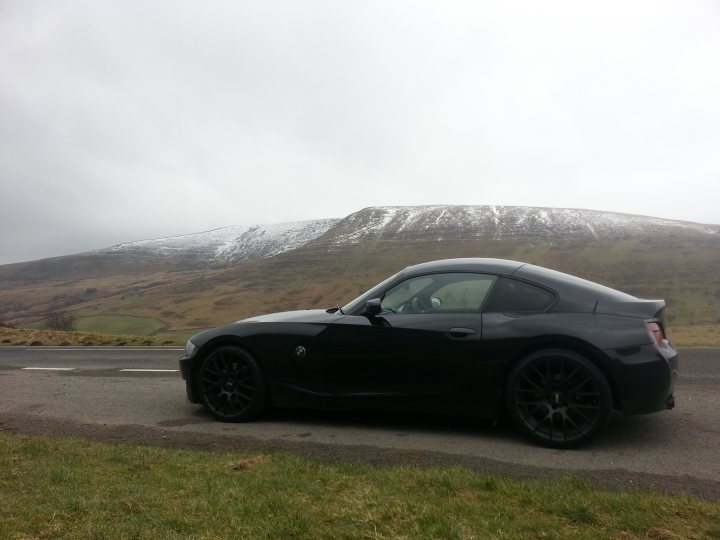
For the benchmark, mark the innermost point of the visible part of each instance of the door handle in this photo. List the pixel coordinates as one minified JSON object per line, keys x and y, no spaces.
{"x":461,"y":333}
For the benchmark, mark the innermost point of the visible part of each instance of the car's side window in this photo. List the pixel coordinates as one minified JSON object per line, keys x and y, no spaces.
{"x":463,"y":295}
{"x":514,"y":296}
{"x":402,"y":294}
{"x":438,"y":293}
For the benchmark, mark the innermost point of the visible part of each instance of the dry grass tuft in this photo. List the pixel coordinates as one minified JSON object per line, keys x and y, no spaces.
{"x":249,"y":463}
{"x":30,"y":337}
{"x":697,"y":335}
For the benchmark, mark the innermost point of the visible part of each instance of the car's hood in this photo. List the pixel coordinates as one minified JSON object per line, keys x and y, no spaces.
{"x":245,"y":326}
{"x":302,"y":316}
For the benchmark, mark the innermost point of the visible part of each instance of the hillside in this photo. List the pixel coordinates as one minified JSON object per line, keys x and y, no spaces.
{"x":207,"y":249}
{"x":202,"y":280}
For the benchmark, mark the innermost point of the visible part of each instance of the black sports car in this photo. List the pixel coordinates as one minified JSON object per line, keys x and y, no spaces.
{"x":470,"y":336}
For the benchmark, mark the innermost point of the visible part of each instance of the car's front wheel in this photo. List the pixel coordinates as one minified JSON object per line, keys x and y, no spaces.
{"x":558,"y":398}
{"x":231,"y":385}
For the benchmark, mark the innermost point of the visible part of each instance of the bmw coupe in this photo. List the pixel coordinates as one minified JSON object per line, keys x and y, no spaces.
{"x":479,"y":337}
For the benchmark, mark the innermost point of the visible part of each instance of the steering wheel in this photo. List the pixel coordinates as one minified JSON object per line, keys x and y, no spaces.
{"x":418,"y":305}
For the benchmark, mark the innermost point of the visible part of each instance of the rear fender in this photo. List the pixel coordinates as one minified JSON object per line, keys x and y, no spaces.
{"x":563,"y":343}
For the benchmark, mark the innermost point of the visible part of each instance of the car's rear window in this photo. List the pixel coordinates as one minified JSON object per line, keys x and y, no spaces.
{"x":514,"y":296}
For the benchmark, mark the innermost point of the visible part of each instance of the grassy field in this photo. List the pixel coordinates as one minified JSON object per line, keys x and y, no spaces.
{"x":64,"y":488}
{"x":120,"y":324}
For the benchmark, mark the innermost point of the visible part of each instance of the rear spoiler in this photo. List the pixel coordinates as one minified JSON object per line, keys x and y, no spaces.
{"x":647,"y":309}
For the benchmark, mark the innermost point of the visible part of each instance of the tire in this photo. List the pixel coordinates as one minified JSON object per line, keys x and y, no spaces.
{"x":558,"y":398}
{"x":231,"y":386}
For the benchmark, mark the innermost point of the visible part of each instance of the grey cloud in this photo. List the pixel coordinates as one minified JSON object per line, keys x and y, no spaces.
{"x":139,"y":119}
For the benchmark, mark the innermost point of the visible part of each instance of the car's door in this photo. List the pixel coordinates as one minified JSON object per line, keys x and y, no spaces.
{"x":425,"y":341}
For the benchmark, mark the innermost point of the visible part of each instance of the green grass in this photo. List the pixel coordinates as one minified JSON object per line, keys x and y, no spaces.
{"x":120,"y":324}
{"x":63,"y":488}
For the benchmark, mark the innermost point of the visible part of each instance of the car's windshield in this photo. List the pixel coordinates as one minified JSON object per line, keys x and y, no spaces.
{"x":369,"y":295}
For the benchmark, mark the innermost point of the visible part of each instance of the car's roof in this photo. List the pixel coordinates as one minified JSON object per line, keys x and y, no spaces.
{"x":477,"y":264}
{"x":567,"y":285}
{"x":562,"y":282}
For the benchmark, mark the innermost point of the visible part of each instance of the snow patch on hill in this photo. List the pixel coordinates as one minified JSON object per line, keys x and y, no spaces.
{"x":230,"y":244}
{"x":262,"y":241}
{"x":498,"y":222}
{"x":207,"y":241}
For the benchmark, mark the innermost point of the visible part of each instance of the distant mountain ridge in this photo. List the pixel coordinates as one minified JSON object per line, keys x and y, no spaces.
{"x":436,"y":222}
{"x":442,"y":222}
{"x":392,"y":224}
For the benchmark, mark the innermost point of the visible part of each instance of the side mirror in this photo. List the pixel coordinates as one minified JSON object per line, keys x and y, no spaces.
{"x":373,"y":307}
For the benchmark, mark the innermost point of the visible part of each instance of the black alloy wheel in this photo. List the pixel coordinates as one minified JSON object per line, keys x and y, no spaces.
{"x":558,"y":398}
{"x":231,"y":385}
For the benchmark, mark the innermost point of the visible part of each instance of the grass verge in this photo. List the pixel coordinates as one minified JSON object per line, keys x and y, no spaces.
{"x":64,"y":488}
{"x":707,"y":335}
{"x":696,"y":335}
{"x":29,"y":336}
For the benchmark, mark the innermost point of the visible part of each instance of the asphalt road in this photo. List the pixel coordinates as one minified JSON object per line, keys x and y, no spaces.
{"x":97,"y":392}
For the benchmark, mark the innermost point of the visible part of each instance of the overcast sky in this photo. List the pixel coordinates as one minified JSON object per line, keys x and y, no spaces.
{"x":140,"y":119}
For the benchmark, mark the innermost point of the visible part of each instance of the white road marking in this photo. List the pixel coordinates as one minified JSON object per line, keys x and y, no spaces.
{"x":133,"y":370}
{"x":51,"y":368}
{"x":113,"y":349}
{"x":151,"y":370}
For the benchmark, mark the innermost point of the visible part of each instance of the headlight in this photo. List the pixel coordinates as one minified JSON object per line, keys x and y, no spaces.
{"x":190,"y":348}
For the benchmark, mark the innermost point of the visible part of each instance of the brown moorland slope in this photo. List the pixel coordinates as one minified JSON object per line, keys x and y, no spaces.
{"x":643,"y":256}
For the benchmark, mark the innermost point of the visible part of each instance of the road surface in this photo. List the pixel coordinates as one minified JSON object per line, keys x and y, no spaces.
{"x":137,"y":395}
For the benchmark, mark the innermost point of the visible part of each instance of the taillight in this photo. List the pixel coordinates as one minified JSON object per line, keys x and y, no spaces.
{"x":656,"y":333}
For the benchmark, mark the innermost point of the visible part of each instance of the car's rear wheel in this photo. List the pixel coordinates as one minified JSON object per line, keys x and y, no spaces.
{"x":231,"y":385}
{"x":558,"y":398}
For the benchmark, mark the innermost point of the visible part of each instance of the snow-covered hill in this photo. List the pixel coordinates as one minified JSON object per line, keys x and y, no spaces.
{"x":395,"y":223}
{"x":391,"y":225}
{"x":229,"y":244}
{"x":463,"y":222}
